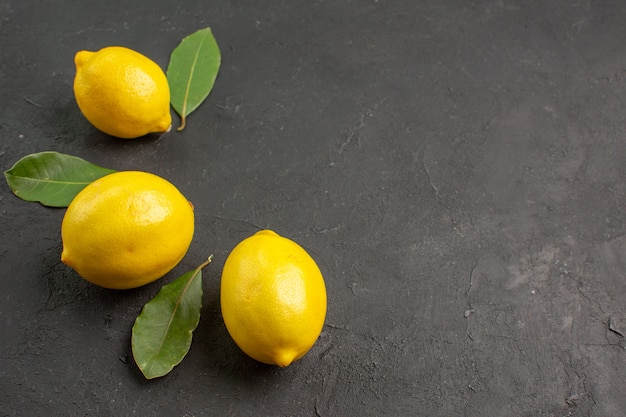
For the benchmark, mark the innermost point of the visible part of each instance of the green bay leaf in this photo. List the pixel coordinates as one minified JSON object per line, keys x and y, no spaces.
{"x":163,"y":331}
{"x":191,"y":72}
{"x":51,"y":178}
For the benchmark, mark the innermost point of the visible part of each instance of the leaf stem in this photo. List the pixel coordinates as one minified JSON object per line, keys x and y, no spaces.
{"x":183,"y":123}
{"x":205,"y":263}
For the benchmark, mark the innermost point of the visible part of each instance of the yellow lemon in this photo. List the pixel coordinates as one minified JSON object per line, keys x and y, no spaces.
{"x":122,"y":92}
{"x":126,"y":229}
{"x":273,"y":298}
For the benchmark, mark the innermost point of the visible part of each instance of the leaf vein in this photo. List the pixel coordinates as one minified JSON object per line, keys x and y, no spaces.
{"x":48,"y":181}
{"x":191,"y":74}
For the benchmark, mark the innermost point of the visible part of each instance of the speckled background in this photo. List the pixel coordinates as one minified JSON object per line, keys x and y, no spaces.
{"x":457,"y":169}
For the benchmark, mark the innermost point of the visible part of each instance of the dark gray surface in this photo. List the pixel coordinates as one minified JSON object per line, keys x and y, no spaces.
{"x":457,"y":169}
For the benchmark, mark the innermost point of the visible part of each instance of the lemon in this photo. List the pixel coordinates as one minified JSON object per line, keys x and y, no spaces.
{"x":126,"y":229}
{"x":273,"y":298}
{"x":122,"y":92}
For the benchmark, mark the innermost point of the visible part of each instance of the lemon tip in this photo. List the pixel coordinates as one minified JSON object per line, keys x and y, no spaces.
{"x":284,"y":359}
{"x":65,"y":258}
{"x":266,"y":232}
{"x":81,"y":57}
